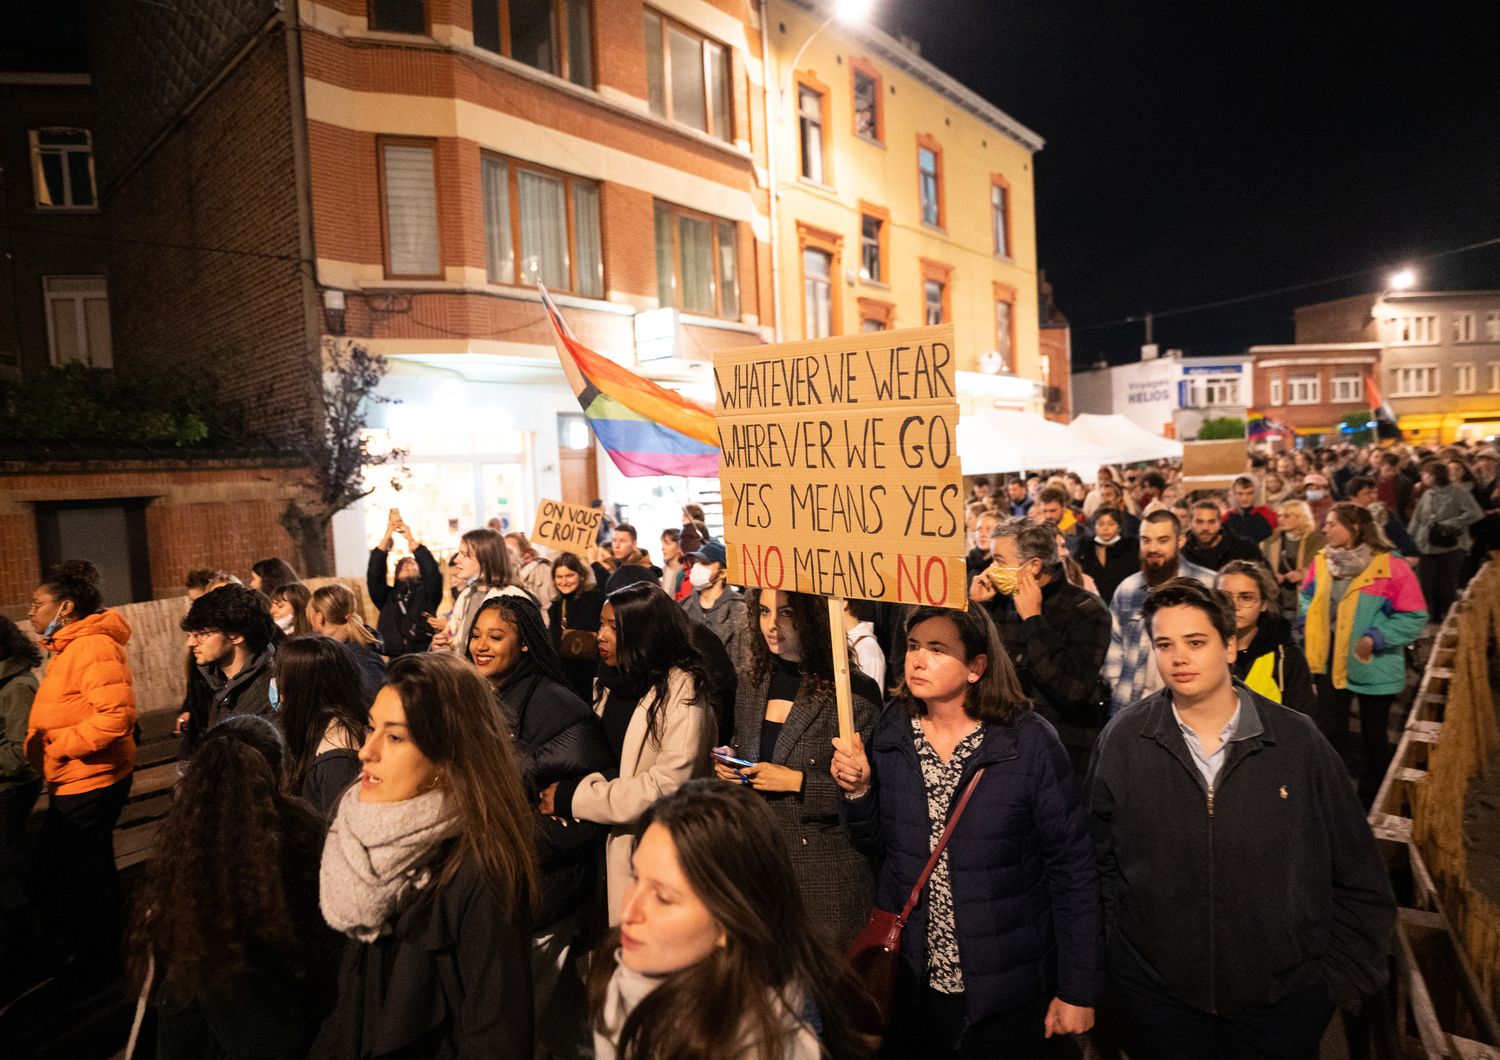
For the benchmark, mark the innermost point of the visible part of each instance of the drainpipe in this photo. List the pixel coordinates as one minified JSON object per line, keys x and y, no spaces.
{"x":769,"y":86}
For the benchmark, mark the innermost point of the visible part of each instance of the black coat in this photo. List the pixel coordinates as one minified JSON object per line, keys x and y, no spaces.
{"x":404,"y":630}
{"x":1230,"y":546}
{"x":247,"y":692}
{"x":1025,"y":889}
{"x":452,"y":980}
{"x":1121,"y":560}
{"x":557,"y":738}
{"x":1273,"y":636}
{"x":583,"y":609}
{"x":1231,"y":905}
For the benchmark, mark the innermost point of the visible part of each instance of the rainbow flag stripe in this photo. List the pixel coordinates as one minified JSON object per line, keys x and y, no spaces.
{"x":645,"y":428}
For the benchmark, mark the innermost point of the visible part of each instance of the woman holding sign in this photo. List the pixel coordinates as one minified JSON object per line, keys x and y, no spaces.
{"x":1005,"y":946}
{"x":785,"y":719}
{"x":653,"y":701}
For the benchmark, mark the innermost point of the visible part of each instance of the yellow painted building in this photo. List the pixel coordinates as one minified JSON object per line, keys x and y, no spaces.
{"x":902,"y":198}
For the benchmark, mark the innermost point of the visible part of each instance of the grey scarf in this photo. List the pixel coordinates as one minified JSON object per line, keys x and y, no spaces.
{"x":1344,"y":563}
{"x":372,"y":859}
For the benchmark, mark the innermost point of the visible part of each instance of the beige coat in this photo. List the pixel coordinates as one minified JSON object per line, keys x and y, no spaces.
{"x":646,"y":774}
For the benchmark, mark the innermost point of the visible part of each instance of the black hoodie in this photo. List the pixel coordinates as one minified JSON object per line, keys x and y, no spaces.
{"x":1289,"y":669}
{"x":247,"y":692}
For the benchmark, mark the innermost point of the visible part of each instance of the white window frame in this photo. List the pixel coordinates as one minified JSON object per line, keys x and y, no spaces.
{"x":75,"y":302}
{"x":1463,"y":327}
{"x":1213,"y":391}
{"x":1495,"y":378}
{"x":1492,"y":327}
{"x":1418,"y":329}
{"x":62,"y":151}
{"x":1304,"y":390}
{"x":1348,"y":389}
{"x":1404,"y":375}
{"x":1465,"y":378}
{"x":1276,"y":390}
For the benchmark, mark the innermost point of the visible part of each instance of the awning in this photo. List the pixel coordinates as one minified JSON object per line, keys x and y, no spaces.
{"x":1126,"y":441}
{"x":993,"y":442}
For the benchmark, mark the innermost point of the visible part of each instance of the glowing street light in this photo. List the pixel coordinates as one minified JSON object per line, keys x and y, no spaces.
{"x":1402,"y":280}
{"x":852,"y":12}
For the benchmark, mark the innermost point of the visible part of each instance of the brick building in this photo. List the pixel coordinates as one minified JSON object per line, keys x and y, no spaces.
{"x":1311,"y":387}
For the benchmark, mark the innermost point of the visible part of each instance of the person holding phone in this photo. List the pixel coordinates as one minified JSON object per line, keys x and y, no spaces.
{"x":785,"y":719}
{"x":653,"y":700}
{"x":415,"y":594}
{"x":716,"y":954}
{"x":1006,"y":947}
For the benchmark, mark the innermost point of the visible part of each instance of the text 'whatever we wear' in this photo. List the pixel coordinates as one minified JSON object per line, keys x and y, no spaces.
{"x":645,"y":428}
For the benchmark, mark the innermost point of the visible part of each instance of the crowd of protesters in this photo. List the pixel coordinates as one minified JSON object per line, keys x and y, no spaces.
{"x":564,"y":806}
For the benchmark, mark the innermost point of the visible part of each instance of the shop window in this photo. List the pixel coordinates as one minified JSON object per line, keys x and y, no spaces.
{"x":687,"y":77}
{"x":541,"y":225}
{"x":556,"y":36}
{"x":78,"y":320}
{"x":930,"y":180}
{"x":697,"y":262}
{"x":62,"y":168}
{"x":408,"y":183}
{"x":869,"y":121}
{"x":398,"y":16}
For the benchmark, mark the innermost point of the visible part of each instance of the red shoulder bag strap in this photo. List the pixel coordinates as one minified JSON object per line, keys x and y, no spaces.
{"x":937,"y":851}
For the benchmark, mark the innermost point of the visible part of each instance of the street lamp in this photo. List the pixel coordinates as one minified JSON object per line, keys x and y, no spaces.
{"x":1402,"y":280}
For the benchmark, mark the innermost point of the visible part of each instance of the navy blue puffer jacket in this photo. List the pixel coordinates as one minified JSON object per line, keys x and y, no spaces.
{"x":1021,"y":863}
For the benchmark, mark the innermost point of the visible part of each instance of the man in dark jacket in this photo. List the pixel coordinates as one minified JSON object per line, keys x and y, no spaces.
{"x":418,"y":589}
{"x":1210,"y":543}
{"x":1243,"y":893}
{"x":1251,"y":521}
{"x":1055,"y":633}
{"x":229,"y":631}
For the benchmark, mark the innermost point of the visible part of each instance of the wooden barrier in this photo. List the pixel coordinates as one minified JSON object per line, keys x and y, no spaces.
{"x":1447,"y":935}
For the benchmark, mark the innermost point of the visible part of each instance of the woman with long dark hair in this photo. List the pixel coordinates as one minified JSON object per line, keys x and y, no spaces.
{"x":268,"y":575}
{"x":716,"y":955}
{"x":289,"y":610}
{"x":1006,"y":946}
{"x":785,"y":719}
{"x":1360,"y":608}
{"x":226,"y":927}
{"x":482,"y":566}
{"x":324,"y":716}
{"x":20,"y":784}
{"x":653,"y":701}
{"x":82,"y":733}
{"x":557,"y":738}
{"x":430,"y":870}
{"x":573,"y":622}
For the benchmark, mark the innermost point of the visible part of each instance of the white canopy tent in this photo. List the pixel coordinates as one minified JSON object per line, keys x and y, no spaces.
{"x":993,"y":442}
{"x":1126,"y":441}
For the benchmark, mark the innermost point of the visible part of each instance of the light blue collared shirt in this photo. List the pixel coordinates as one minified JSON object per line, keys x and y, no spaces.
{"x":1243,"y":724}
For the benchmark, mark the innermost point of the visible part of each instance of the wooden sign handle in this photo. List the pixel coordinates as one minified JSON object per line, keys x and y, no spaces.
{"x":839,"y":641}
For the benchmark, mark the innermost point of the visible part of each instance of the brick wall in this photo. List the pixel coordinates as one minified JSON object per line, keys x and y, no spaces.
{"x":206,"y":272}
{"x":203,"y":513}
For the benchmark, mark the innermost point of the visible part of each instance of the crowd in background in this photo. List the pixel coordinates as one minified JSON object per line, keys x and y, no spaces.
{"x":552,"y":805}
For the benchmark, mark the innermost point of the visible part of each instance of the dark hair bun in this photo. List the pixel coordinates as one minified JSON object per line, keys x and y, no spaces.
{"x":76,"y":570}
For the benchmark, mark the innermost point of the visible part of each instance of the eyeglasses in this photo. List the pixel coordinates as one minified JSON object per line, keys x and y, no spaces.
{"x":203,"y":634}
{"x":36,"y":605}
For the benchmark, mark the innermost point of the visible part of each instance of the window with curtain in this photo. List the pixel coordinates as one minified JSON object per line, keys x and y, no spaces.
{"x":687,"y":77}
{"x":817,"y":293}
{"x":552,"y":35}
{"x":866,"y":105}
{"x":527,"y":234}
{"x":62,"y":164}
{"x":810,"y":126}
{"x":697,"y":262}
{"x":927,"y":173}
{"x":409,"y":182}
{"x":78,"y":320}
{"x":398,"y":16}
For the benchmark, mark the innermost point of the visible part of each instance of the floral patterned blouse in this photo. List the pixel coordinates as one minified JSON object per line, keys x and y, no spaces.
{"x":941,"y":780}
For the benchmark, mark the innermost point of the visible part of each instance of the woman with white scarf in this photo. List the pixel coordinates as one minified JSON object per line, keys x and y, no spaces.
{"x":430,"y":870}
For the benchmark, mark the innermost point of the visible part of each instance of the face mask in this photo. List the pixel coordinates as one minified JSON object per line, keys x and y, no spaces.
{"x":286,"y":623}
{"x":54,"y":625}
{"x":700,"y":577}
{"x":1107,"y":540}
{"x":1005,"y":579}
{"x":1315,"y":495}
{"x":273,"y":695}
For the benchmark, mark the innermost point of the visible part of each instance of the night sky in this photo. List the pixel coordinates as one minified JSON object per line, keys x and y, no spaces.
{"x":1205,"y":151}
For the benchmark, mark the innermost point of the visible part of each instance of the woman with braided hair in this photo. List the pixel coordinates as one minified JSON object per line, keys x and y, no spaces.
{"x":557,"y":738}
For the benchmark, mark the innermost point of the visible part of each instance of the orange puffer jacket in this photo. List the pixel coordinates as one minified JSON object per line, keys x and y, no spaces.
{"x":80,"y":736}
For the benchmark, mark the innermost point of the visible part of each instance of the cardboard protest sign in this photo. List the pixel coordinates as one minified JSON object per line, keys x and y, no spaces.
{"x":566,"y":527}
{"x":838,"y":466}
{"x":1212,"y":465}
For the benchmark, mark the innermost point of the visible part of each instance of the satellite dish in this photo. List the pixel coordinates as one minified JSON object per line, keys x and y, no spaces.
{"x":991,"y":363}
